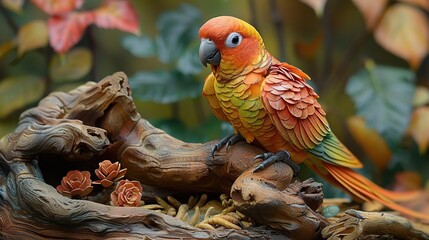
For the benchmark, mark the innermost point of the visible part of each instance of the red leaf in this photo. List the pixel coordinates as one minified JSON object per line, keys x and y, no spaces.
{"x":57,"y":7}
{"x":65,"y":31}
{"x":117,"y":14}
{"x":371,"y":11}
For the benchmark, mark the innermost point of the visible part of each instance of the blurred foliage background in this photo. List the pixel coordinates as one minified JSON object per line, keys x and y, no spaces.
{"x":368,"y":61}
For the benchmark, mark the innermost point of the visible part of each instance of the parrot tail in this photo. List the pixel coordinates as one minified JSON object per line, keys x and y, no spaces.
{"x":364,"y":189}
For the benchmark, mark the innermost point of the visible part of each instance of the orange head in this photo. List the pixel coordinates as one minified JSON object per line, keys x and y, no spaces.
{"x":230,"y":44}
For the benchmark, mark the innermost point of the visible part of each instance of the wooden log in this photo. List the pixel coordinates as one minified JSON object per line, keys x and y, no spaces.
{"x":98,"y":121}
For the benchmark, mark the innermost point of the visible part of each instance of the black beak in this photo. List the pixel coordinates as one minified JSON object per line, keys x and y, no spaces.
{"x":209,"y":53}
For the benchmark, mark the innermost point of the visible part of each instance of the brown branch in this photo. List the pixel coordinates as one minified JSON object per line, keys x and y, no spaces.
{"x":327,"y":45}
{"x":277,"y":20}
{"x":99,"y":121}
{"x":92,"y":41}
{"x":371,"y":225}
{"x":253,"y":13}
{"x":299,"y":200}
{"x":9,"y":20}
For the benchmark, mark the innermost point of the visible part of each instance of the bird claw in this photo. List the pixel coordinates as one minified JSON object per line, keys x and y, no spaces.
{"x":263,"y":156}
{"x":270,"y":158}
{"x":215,"y":148}
{"x":233,"y":140}
{"x":227,"y":142}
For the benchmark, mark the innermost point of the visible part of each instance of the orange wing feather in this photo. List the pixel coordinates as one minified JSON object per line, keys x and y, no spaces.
{"x":293,"y":107}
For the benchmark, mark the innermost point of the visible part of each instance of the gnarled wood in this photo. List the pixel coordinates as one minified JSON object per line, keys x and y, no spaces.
{"x":372,"y":225}
{"x":253,"y":194}
{"x":97,"y":121}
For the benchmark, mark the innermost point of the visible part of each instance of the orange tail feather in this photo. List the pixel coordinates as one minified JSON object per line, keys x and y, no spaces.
{"x":362,"y":188}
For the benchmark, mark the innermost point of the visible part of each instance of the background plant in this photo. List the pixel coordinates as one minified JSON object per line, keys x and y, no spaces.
{"x":40,"y":51}
{"x":368,"y":61}
{"x":176,"y":47}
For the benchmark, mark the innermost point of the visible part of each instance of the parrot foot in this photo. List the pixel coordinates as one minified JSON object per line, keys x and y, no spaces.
{"x":227,"y":142}
{"x":281,"y":156}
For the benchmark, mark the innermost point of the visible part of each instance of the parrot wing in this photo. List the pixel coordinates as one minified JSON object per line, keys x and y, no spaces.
{"x":293,"y":107}
{"x":210,"y":95}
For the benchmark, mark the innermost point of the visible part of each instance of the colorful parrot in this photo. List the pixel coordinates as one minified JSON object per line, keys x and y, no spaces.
{"x":269,"y":103}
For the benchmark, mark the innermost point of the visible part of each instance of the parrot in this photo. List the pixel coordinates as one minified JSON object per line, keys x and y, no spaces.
{"x":270,"y":104}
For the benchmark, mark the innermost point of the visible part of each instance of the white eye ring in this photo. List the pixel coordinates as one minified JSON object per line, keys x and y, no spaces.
{"x":233,"y":40}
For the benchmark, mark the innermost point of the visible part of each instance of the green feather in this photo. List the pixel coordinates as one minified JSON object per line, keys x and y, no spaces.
{"x":331,"y":150}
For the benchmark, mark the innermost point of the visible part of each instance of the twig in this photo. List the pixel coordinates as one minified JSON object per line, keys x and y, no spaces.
{"x":277,"y":20}
{"x":93,"y":49}
{"x":9,"y":20}
{"x":339,"y":74}
{"x":47,"y":79}
{"x":253,"y":15}
{"x":327,"y":44}
{"x":359,"y":225}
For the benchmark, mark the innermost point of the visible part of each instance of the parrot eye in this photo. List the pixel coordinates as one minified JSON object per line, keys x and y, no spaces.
{"x":233,"y":40}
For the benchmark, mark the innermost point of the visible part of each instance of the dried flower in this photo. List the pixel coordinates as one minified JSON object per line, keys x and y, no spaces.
{"x":108,"y":173}
{"x":75,"y":183}
{"x":127,"y":194}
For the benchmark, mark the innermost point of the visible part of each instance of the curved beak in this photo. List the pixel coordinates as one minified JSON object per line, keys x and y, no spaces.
{"x":209,"y":53}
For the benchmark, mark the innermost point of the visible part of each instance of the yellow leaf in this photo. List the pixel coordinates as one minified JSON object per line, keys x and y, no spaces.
{"x":419,"y":3}
{"x":370,"y":10}
{"x":70,"y":66}
{"x":13,"y":5}
{"x":421,"y":97}
{"x":419,"y":128}
{"x":371,"y":142}
{"x":404,"y":31}
{"x":32,"y":35}
{"x":18,"y":91}
{"x":317,"y":5}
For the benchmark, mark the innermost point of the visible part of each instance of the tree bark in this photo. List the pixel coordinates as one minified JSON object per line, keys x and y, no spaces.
{"x":97,"y":121}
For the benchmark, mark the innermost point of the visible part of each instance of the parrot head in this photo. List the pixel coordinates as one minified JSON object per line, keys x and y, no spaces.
{"x":229,"y":43}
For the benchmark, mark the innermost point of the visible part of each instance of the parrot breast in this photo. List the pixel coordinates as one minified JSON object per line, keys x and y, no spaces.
{"x":240,"y":100}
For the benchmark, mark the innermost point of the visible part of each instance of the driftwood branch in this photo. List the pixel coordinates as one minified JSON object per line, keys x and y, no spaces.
{"x":97,"y":121}
{"x":372,"y":225}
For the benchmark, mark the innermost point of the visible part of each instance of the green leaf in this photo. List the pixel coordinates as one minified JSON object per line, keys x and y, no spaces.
{"x":165,"y":54}
{"x":13,"y":5}
{"x":176,"y":30}
{"x":164,"y":87}
{"x":173,"y":127}
{"x":18,"y":91}
{"x":190,"y":63}
{"x":70,"y":66}
{"x":383,"y":96}
{"x":139,"y":46}
{"x":409,"y":158}
{"x":210,"y":129}
{"x":31,"y":36}
{"x":207,"y":130}
{"x":7,"y":126}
